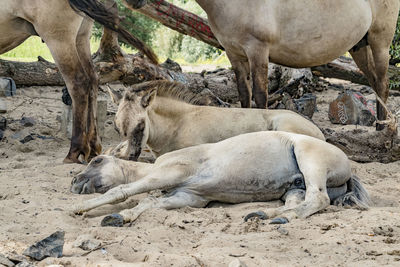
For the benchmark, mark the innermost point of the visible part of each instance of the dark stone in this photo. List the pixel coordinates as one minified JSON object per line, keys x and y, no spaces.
{"x":5,"y":261}
{"x":1,"y":135}
{"x":66,"y":98}
{"x":281,"y":220}
{"x":7,"y":87}
{"x":114,"y":220}
{"x":51,"y":246}
{"x":306,"y":105}
{"x":259,"y":214}
{"x":352,"y":108}
{"x":3,"y":124}
{"x":28,"y":121}
{"x":27,"y":139}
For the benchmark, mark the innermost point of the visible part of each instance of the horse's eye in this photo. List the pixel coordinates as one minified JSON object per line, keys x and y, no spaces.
{"x":98,"y":160}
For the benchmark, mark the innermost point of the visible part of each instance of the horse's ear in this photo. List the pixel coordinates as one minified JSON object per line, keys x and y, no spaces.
{"x":115,"y":95}
{"x":148,"y":97}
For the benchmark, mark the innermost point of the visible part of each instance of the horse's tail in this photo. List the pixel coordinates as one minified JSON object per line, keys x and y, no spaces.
{"x":97,"y":11}
{"x":355,"y":196}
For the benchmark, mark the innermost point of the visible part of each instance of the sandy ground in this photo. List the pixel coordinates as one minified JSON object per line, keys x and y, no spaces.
{"x":35,"y":202}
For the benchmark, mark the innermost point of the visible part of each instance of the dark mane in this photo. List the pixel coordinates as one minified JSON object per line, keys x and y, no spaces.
{"x":168,"y":89}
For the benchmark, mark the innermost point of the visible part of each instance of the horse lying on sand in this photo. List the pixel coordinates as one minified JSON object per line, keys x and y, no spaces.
{"x":305,"y":172}
{"x":155,"y":113}
{"x":67,"y":35}
{"x":301,"y":33}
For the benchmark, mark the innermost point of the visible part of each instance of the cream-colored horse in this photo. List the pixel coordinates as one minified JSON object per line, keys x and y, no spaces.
{"x":305,"y":172}
{"x":301,"y":33}
{"x":155,"y":113}
{"x":67,"y":34}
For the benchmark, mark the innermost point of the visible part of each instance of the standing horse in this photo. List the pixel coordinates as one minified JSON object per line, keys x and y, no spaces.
{"x":301,"y":33}
{"x":67,"y":34}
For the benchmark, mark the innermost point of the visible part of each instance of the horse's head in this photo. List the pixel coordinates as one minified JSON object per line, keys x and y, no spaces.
{"x":136,"y":4}
{"x":102,"y":174}
{"x":131,"y":120}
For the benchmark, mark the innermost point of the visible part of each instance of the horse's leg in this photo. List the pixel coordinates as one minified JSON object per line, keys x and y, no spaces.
{"x":83,"y":48}
{"x":258,"y":55}
{"x":63,"y":50}
{"x":242,"y":72}
{"x":177,"y":200}
{"x":162,"y":178}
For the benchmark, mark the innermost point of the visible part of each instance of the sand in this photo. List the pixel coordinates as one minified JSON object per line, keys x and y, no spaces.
{"x":35,"y":202}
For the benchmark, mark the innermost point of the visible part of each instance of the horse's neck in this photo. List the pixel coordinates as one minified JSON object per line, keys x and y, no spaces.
{"x":165,"y":115}
{"x":133,"y":170}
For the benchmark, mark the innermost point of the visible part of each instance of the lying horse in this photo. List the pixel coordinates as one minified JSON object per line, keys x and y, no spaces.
{"x":305,"y":172}
{"x":301,"y":33}
{"x":67,"y":34}
{"x":156,"y":113}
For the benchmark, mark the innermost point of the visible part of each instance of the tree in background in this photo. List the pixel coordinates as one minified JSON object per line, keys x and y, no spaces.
{"x":395,"y":48}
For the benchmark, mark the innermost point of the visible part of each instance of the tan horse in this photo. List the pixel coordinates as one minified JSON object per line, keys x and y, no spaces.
{"x":305,"y":172}
{"x":301,"y":33}
{"x":156,"y":113}
{"x":67,"y":34}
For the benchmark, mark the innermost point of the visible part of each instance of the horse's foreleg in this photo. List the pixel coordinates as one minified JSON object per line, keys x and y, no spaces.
{"x":78,"y":84}
{"x":163,"y":178}
{"x":242,"y":72}
{"x":83,"y":48}
{"x":177,"y":200}
{"x":258,"y":56}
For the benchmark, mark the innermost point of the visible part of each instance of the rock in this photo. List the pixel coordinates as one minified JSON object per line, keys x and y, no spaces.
{"x":306,"y":105}
{"x":3,"y":123}
{"x":66,"y":98}
{"x":27,"y":139}
{"x":113,"y":220}
{"x":7,"y":87}
{"x":24,"y":264}
{"x":394,"y":253}
{"x":1,"y":135}
{"x":352,"y":108}
{"x":3,"y":106}
{"x":280,"y":220}
{"x":28,"y":121}
{"x":51,"y":246}
{"x":259,"y":214}
{"x":282,"y":230}
{"x":87,"y":242}
{"x":237,"y":263}
{"x":5,"y":261}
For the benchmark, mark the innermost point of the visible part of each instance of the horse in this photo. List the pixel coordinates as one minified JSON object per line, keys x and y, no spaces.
{"x":162,"y":115}
{"x":67,"y":34}
{"x":301,"y":33}
{"x":306,"y":173}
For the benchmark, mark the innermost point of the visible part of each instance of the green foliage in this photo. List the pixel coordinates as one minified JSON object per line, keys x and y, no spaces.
{"x":395,"y":47}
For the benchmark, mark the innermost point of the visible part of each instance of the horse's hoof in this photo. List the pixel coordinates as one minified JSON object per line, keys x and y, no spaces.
{"x":259,"y":214}
{"x":281,"y":220}
{"x":114,"y":220}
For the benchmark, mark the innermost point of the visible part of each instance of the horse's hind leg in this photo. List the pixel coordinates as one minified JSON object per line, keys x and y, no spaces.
{"x":242,"y":72}
{"x":177,"y":200}
{"x":374,"y":60}
{"x":258,"y":55}
{"x":83,"y":48}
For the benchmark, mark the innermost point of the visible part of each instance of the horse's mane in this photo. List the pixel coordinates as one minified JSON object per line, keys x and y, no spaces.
{"x":168,"y":89}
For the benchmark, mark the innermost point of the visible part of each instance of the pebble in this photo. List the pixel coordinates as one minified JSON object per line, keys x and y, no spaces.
{"x":113,"y":220}
{"x":27,"y":121}
{"x":5,"y":261}
{"x":282,"y":230}
{"x":3,"y":123}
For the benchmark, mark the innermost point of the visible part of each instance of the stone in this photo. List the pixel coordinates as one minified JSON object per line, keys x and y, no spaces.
{"x":259,"y":214}
{"x":282,"y":230}
{"x":27,"y":121}
{"x":352,"y":108}
{"x":306,"y":105}
{"x":113,"y":220}
{"x":383,"y":230}
{"x":66,"y":98}
{"x":3,"y":123}
{"x":27,"y":139}
{"x":237,"y":263}
{"x":24,"y":264}
{"x":1,"y":135}
{"x":7,"y":87}
{"x":51,"y":246}
{"x":87,"y":242}
{"x":3,"y":105}
{"x":5,"y":261}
